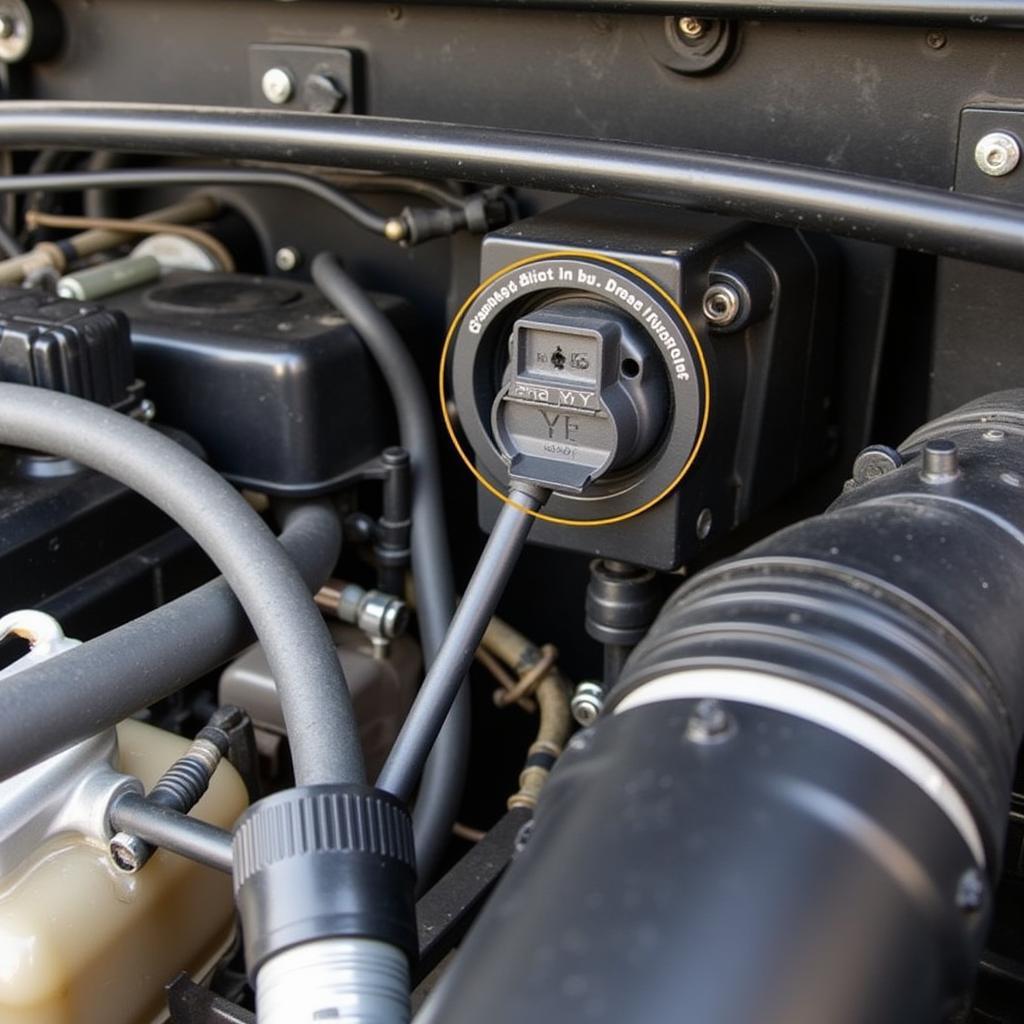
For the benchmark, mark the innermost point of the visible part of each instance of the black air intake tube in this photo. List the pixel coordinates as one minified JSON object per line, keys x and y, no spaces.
{"x":793,"y":808}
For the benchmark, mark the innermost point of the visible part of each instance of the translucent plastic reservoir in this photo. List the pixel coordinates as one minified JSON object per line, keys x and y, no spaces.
{"x":81,"y":943}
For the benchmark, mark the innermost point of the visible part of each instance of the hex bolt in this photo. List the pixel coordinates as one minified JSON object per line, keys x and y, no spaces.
{"x":709,"y":722}
{"x":939,"y":461}
{"x":875,"y":461}
{"x":721,"y":305}
{"x":970,"y":891}
{"x":587,"y":703}
{"x":8,"y":26}
{"x":278,"y":85}
{"x":692,"y":28}
{"x":997,"y":153}
{"x":287,"y":258}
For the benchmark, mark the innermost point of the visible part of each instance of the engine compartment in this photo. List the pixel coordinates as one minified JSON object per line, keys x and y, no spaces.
{"x":540,"y":482}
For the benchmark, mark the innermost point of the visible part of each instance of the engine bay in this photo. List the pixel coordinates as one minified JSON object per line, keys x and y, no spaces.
{"x":511,"y":510}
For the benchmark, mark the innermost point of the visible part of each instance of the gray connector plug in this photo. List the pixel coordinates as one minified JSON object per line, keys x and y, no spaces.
{"x":584,"y":394}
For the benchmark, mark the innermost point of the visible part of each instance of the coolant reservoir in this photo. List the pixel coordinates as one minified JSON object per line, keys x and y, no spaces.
{"x":80,"y":942}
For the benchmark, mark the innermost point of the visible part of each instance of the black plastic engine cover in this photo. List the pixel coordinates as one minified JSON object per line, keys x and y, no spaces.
{"x":269,"y":378}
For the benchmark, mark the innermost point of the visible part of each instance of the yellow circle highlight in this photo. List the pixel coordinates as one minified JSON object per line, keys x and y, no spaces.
{"x":673,"y":305}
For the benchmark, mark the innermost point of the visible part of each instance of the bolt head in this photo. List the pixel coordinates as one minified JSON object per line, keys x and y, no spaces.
{"x":278,"y":86}
{"x":936,"y":40}
{"x":997,"y":153}
{"x":692,"y":28}
{"x":874,"y":462}
{"x":721,"y":305}
{"x":128,"y":853}
{"x":710,"y":722}
{"x":940,"y":461}
{"x":587,"y":702}
{"x":287,"y":258}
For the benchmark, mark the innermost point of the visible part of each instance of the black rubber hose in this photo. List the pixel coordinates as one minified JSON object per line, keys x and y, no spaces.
{"x":402,"y":769}
{"x":915,"y":217}
{"x":966,"y":13}
{"x":302,"y":657}
{"x":89,"y":688}
{"x":440,"y":792}
{"x":156,"y":177}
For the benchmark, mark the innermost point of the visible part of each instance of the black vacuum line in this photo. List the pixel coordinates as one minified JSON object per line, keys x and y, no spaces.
{"x":401,"y":771}
{"x":915,"y":217}
{"x":444,"y":775}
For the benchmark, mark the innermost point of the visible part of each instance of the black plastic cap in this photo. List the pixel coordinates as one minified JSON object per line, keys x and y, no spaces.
{"x":320,"y":862}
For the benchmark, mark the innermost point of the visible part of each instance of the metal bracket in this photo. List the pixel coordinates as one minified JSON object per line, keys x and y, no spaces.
{"x":320,"y":79}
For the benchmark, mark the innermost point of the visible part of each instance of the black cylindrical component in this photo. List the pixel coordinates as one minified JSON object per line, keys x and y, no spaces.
{"x":793,"y":806}
{"x":92,"y":687}
{"x":405,"y":762}
{"x":908,"y":216}
{"x":622,"y":602}
{"x":391,"y":539}
{"x":321,"y":862}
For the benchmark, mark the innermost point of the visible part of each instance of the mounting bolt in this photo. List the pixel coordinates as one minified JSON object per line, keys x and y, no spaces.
{"x":875,"y":461}
{"x":721,"y":305}
{"x":692,"y":28}
{"x":129,"y":853}
{"x":939,"y":461}
{"x":587,"y":702}
{"x":278,"y":86}
{"x":936,"y":40}
{"x":8,"y":26}
{"x":709,"y":722}
{"x":970,"y":891}
{"x":997,"y":153}
{"x":287,"y":258}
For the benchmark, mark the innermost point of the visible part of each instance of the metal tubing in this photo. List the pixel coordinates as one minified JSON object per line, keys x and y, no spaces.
{"x":441,"y":788}
{"x":199,"y":177}
{"x":402,"y":769}
{"x":966,"y":13}
{"x":314,"y":696}
{"x":913,"y":217}
{"x":171,"y":830}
